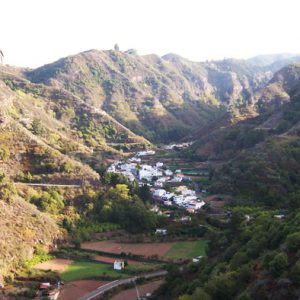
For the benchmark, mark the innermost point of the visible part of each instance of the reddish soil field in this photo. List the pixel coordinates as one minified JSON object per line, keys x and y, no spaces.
{"x":146,"y":249}
{"x":143,"y":290}
{"x":111,"y":260}
{"x":76,"y":289}
{"x":54,"y":265}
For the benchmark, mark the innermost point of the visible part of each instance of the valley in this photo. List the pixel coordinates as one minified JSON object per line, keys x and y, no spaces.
{"x":120,"y":170}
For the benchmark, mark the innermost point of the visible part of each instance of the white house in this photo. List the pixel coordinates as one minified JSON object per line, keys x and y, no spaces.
{"x":178,"y":198}
{"x":168,"y":172}
{"x":176,"y":179}
{"x":168,"y":203}
{"x":159,"y":164}
{"x":195,"y":205}
{"x":159,"y":193}
{"x":161,"y":231}
{"x":119,"y":265}
{"x":145,"y":174}
{"x":111,"y":169}
{"x":197,"y":259}
{"x":188,"y":193}
{"x":158,"y":184}
{"x":167,"y":196}
{"x":144,"y":153}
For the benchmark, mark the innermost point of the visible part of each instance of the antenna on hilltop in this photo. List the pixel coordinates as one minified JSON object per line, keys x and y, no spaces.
{"x":1,"y":57}
{"x":116,"y":47}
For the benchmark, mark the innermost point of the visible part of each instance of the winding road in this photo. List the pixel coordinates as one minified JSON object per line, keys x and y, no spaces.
{"x":104,"y":288}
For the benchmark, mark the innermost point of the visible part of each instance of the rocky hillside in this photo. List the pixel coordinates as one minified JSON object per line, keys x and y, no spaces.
{"x":19,"y":238}
{"x":161,"y":98}
{"x":261,"y":154}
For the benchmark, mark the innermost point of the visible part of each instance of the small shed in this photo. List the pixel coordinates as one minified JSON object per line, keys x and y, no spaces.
{"x":161,"y":231}
{"x":119,"y":265}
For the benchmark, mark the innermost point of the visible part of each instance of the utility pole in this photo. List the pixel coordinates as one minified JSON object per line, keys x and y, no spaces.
{"x":136,"y":289}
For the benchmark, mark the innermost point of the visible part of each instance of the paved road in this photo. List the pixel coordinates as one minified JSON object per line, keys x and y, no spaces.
{"x":104,"y":288}
{"x":50,"y":184}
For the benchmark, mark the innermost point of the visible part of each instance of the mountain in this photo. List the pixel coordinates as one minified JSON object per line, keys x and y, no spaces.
{"x":65,"y":121}
{"x":259,"y":156}
{"x":161,"y":98}
{"x":271,"y":59}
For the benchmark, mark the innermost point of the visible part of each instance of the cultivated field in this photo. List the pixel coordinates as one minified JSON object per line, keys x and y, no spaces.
{"x":186,"y":250}
{"x":90,"y":270}
{"x":130,"y":294}
{"x":174,"y":250}
{"x":146,"y":249}
{"x":76,"y":289}
{"x":58,"y":265}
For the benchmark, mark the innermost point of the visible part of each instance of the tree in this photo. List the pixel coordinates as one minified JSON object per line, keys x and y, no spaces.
{"x":144,"y":193}
{"x":119,"y":206}
{"x":278,"y":264}
{"x":199,"y":294}
{"x":116,"y":47}
{"x":37,"y":127}
{"x":295,"y":273}
{"x":4,"y":153}
{"x":293,"y":241}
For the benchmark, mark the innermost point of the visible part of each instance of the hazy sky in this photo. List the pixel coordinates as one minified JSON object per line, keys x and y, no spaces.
{"x":35,"y":32}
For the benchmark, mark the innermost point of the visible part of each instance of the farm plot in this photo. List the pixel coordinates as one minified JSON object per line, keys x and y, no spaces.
{"x":145,"y":249}
{"x":130,"y":294}
{"x":77,"y":289}
{"x":187,"y":250}
{"x":58,"y":265}
{"x":90,"y":270}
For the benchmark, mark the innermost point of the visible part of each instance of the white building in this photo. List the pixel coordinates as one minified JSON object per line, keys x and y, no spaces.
{"x":111,"y":169}
{"x":159,"y":164}
{"x":176,"y":179}
{"x":188,"y":193}
{"x":119,"y":265}
{"x":145,"y":174}
{"x":144,"y":153}
{"x":158,"y":183}
{"x":167,"y":196}
{"x":168,"y":173}
{"x":161,"y":231}
{"x":195,"y":205}
{"x":159,"y":193}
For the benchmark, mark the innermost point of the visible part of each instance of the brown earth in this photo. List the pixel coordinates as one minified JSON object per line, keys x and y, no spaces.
{"x":54,"y":264}
{"x":76,"y":289}
{"x":146,"y":249}
{"x":143,"y":290}
{"x":111,"y":260}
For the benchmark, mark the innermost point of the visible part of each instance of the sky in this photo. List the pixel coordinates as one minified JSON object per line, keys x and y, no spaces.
{"x":36,"y":32}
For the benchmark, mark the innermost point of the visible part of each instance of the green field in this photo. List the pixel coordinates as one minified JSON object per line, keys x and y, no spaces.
{"x":187,"y":250}
{"x":89,"y":270}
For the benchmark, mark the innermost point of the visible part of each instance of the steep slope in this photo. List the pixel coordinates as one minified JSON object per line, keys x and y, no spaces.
{"x":30,"y":142}
{"x":261,"y":154}
{"x":23,"y":229}
{"x":161,"y":98}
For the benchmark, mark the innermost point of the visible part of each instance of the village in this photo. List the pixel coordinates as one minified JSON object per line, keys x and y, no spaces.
{"x":168,"y":188}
